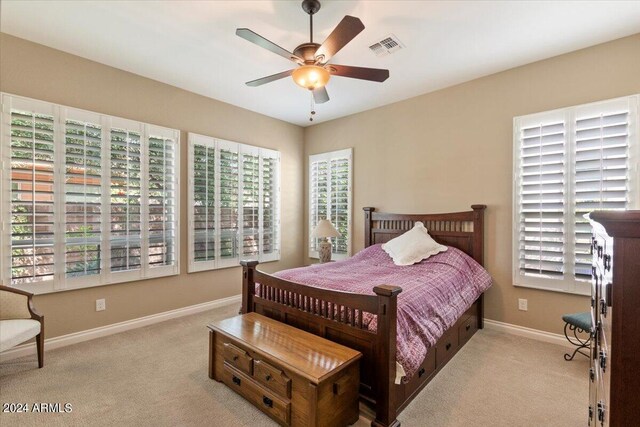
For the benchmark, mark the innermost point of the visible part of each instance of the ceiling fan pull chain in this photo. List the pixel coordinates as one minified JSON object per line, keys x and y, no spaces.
{"x":313,"y":107}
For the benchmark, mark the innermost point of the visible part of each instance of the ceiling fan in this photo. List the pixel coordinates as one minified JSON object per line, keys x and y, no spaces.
{"x":313,"y":70}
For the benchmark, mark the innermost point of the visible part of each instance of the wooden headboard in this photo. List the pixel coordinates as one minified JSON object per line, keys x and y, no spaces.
{"x":462,"y":230}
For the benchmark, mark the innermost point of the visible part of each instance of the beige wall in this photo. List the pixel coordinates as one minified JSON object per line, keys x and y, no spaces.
{"x":39,"y":72}
{"x":437,"y":152}
{"x":446,"y":150}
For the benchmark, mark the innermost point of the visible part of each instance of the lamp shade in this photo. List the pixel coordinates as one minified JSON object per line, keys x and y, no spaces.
{"x":325,"y":229}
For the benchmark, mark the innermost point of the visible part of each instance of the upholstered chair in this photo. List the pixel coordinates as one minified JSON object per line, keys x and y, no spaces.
{"x":19,"y":321}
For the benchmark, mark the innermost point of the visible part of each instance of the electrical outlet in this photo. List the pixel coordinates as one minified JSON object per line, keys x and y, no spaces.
{"x":101,"y":304}
{"x":522,"y":304}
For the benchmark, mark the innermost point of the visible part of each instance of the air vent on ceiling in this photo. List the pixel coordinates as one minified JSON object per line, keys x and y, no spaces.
{"x":386,"y":46}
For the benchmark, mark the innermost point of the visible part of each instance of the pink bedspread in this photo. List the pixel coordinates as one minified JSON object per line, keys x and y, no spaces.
{"x":435,"y":293}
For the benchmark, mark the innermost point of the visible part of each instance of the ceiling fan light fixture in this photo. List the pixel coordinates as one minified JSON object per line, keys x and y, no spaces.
{"x":311,"y":76}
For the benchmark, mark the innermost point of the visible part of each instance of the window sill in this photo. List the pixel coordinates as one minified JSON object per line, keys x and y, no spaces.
{"x":193,"y":269}
{"x":43,"y":288}
{"x":581,"y":290}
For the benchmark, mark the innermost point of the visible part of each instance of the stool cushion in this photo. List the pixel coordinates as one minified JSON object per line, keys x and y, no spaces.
{"x":579,"y":320}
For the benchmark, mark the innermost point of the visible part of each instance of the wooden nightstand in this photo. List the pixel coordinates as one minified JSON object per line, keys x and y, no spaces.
{"x":297,"y":378}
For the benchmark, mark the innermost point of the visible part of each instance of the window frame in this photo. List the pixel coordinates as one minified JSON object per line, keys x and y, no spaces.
{"x":217,"y":144}
{"x":60,"y":281}
{"x":346,"y":153}
{"x":570,"y":116}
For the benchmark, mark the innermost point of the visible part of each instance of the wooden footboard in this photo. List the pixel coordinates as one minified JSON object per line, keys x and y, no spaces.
{"x":337,"y":316}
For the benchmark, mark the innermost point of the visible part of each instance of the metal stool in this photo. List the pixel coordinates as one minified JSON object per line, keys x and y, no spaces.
{"x":574,"y":324}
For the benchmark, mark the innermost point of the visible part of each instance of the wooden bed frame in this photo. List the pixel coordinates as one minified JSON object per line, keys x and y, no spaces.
{"x":337,"y":315}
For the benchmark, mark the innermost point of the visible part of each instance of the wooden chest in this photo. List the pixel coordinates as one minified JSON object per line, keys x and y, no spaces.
{"x":614,"y":376}
{"x":296,"y":378}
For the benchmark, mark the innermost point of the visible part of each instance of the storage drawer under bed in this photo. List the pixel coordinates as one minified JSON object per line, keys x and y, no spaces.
{"x":455,"y":337}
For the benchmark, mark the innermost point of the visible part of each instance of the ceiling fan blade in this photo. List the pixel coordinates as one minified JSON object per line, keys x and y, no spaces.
{"x":362,"y":73}
{"x":270,"y":78}
{"x":256,"y":38}
{"x":347,"y":29}
{"x":320,"y":95}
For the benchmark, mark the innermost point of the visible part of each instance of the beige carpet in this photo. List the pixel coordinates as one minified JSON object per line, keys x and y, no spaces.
{"x":157,"y":376}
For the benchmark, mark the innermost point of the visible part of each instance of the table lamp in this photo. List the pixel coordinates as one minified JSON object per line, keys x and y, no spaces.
{"x":323,"y":230}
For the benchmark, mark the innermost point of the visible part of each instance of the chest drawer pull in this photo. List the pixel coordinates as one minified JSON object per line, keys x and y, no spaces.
{"x":272,"y":377}
{"x":603,"y":307}
{"x":236,"y":380}
{"x":267,"y":402}
{"x":597,"y":337}
{"x":601,"y":412}
{"x":448,"y":346}
{"x":421,"y":372}
{"x":341,"y":386}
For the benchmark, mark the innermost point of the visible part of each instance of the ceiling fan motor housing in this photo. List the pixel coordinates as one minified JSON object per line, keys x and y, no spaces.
{"x":307,"y":51}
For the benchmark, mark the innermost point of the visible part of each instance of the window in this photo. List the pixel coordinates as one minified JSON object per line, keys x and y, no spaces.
{"x":330,"y":198}
{"x":87,"y":199}
{"x":234,"y":194}
{"x":568,"y":163}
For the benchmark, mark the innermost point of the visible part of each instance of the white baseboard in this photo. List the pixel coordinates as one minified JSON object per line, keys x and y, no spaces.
{"x":522,"y":331}
{"x":103,"y":331}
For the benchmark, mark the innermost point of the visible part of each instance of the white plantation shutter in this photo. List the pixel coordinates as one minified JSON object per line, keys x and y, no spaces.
{"x":161,"y":195}
{"x":203,"y":200}
{"x":330,"y":197}
{"x":126,"y":199}
{"x":542,"y":195}
{"x":233,"y":203}
{"x":270,"y":161}
{"x":32,"y":192}
{"x":83,"y":189}
{"x":318,"y":198}
{"x":340,"y":203}
{"x":567,"y":163}
{"x":90,"y":199}
{"x":250,"y":203}
{"x":603,"y":174}
{"x":229,"y":205}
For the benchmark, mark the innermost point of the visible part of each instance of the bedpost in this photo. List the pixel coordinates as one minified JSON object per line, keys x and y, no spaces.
{"x":368,"y":224}
{"x":478,"y":251}
{"x":386,"y":406}
{"x":478,"y":232}
{"x":248,"y":285}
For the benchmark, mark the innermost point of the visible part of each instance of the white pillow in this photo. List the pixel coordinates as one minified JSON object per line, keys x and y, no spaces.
{"x":412,"y":246}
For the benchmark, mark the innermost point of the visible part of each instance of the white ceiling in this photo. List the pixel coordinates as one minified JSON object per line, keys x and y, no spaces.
{"x":192,"y":44}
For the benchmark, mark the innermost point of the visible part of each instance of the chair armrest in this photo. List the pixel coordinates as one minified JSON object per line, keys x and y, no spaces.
{"x":29,"y":301}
